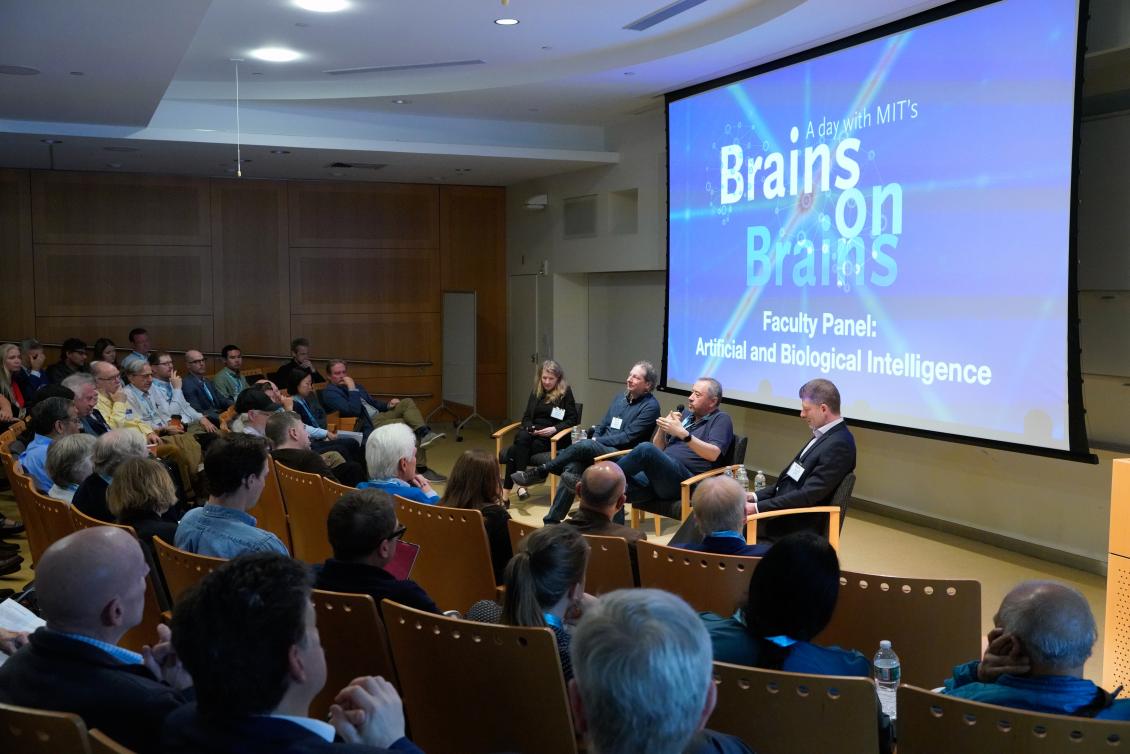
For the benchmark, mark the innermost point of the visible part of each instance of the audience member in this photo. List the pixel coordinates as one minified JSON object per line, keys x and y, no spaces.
{"x":601,"y":492}
{"x":91,"y":588}
{"x":12,"y":400}
{"x":254,"y":408}
{"x":236,"y":469}
{"x":549,"y":409}
{"x":72,"y":358}
{"x":139,"y":339}
{"x":112,"y":404}
{"x":105,"y":350}
{"x":70,"y":461}
{"x":305,"y":404}
{"x":719,"y":507}
{"x":167,"y":384}
{"x":817,"y":470}
{"x":363,"y":533}
{"x":474,"y":483}
{"x":32,"y":377}
{"x":149,"y":406}
{"x":85,"y":390}
{"x":200,"y":392}
{"x":390,"y":454}
{"x":545,"y":587}
{"x":290,"y":443}
{"x":140,"y":495}
{"x":644,"y":678}
{"x":248,"y":635}
{"x":299,"y":362}
{"x":51,"y":419}
{"x":628,"y":421}
{"x":1043,"y":634}
{"x":111,"y":450}
{"x":681,"y":447}
{"x":228,"y":380}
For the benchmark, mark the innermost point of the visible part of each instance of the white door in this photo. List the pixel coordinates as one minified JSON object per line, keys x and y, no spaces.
{"x":524,"y":356}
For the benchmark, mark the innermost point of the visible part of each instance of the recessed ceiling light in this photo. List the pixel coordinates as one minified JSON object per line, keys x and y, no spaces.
{"x":205,"y":130}
{"x":280,"y":151}
{"x":322,"y":6}
{"x":506,"y":21}
{"x":18,"y":70}
{"x":275,"y":54}
{"x":402,"y":102}
{"x":52,"y":141}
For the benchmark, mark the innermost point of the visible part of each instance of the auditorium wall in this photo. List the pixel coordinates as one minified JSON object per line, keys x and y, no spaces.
{"x":1053,"y":509}
{"x":358,"y":268}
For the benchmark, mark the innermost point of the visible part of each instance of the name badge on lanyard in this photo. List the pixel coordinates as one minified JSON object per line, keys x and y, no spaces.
{"x":795,"y":472}
{"x":557,"y":413}
{"x":616,"y":423}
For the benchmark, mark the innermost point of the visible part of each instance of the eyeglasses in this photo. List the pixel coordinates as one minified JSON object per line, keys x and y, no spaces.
{"x":400,"y":532}
{"x":167,"y":363}
{"x":109,"y":379}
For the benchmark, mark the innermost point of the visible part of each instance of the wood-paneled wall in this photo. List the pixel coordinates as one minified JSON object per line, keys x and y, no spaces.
{"x":357,"y":268}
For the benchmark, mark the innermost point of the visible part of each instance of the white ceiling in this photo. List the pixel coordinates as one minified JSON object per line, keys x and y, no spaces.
{"x":157,"y":76}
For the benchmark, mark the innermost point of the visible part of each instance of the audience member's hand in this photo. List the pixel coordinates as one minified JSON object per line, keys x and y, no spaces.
{"x":672,"y":425}
{"x":750,"y":504}
{"x":37,"y":359}
{"x":162,"y":661}
{"x":5,"y":413}
{"x":208,"y":426}
{"x":420,"y":481}
{"x":349,"y":383}
{"x":10,"y":641}
{"x":331,"y":435}
{"x":175,"y":380}
{"x":545,"y":432}
{"x":1004,"y":656}
{"x":119,"y":395}
{"x":152,"y":438}
{"x":287,"y":402}
{"x":169,"y":429}
{"x":392,"y":402}
{"x":368,"y":711}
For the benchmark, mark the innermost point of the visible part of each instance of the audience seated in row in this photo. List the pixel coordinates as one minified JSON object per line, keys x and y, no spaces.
{"x":229,"y":380}
{"x":105,"y":350}
{"x":139,"y":340}
{"x":719,"y":508}
{"x":390,"y":454}
{"x":290,"y":446}
{"x":51,"y":419}
{"x":299,"y":362}
{"x":72,"y":358}
{"x":200,"y":392}
{"x":70,"y":460}
{"x":474,"y":483}
{"x":306,"y":405}
{"x":12,"y":398}
{"x":602,"y":492}
{"x":349,"y":399}
{"x":545,"y":587}
{"x":168,"y":386}
{"x":141,"y":495}
{"x":111,"y":450}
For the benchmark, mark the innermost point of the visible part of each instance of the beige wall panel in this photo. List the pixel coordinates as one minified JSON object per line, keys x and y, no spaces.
{"x":17,"y":305}
{"x":129,"y":280}
{"x":375,"y":337}
{"x":98,"y":208}
{"x":364,"y":281}
{"x":165,"y":332}
{"x":250,"y":260}
{"x":363,"y":215}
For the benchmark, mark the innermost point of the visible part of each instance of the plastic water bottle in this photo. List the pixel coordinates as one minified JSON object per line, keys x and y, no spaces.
{"x":887,"y":673}
{"x":759,"y":481}
{"x":743,"y":478}
{"x":577,"y":434}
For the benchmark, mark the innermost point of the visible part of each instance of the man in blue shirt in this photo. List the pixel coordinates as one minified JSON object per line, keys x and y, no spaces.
{"x":390,"y":453}
{"x":681,"y":447}
{"x":719,"y":509}
{"x":236,"y":469}
{"x":629,"y":421}
{"x":51,"y":419}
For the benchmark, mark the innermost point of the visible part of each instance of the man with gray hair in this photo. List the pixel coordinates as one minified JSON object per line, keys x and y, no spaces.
{"x":642,"y":677}
{"x":390,"y":453}
{"x":1043,"y":634}
{"x":69,"y":462}
{"x":83,"y":385}
{"x":719,"y":512}
{"x":628,"y":421}
{"x":111,"y":450}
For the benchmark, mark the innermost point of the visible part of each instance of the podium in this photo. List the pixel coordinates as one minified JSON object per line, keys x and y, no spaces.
{"x":1116,"y":639}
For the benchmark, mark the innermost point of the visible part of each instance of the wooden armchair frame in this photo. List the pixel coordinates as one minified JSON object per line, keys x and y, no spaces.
{"x":832,"y":511}
{"x":553,"y":440}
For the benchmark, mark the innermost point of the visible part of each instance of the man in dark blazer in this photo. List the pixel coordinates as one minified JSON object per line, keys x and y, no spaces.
{"x":248,"y":633}
{"x":91,"y":587}
{"x":201,"y":392}
{"x":815,"y":472}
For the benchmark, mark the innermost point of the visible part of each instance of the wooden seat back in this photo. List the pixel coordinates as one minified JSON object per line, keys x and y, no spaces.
{"x":305,"y":512}
{"x":518,"y":532}
{"x":270,"y":512}
{"x":933,"y":624}
{"x":53,"y":516}
{"x":797,"y":713}
{"x":446,"y":664}
{"x":182,"y":569}
{"x":610,"y":566}
{"x":100,"y":743}
{"x":454,"y":565}
{"x":332,"y":490}
{"x":718,"y":583}
{"x":25,"y":730}
{"x":22,"y":488}
{"x":354,"y":639}
{"x":930,"y":723}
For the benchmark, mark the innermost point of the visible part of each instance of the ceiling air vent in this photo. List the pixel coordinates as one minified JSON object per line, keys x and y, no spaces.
{"x":357,"y":165}
{"x":664,"y":13}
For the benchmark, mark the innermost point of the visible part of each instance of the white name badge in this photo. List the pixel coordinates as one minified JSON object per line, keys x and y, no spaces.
{"x":557,"y":413}
{"x":795,"y":472}
{"x":617,"y":423}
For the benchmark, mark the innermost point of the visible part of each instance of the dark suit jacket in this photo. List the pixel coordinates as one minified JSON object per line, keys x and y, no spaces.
{"x":826,"y":464}
{"x":728,"y":546}
{"x":90,"y":498}
{"x":359,"y":578}
{"x":193,"y":388}
{"x":95,"y":424}
{"x":187,"y":733}
{"x":352,"y":403}
{"x":57,"y":673}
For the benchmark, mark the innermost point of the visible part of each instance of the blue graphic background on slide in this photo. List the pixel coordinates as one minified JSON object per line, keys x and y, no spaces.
{"x":912,"y":196}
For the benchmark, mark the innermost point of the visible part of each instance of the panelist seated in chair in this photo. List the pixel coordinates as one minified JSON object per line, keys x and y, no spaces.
{"x":719,"y":508}
{"x":1043,"y":634}
{"x":549,"y":409}
{"x":248,"y":634}
{"x":681,"y":447}
{"x":815,"y":472}
{"x":390,"y":453}
{"x":628,"y":421}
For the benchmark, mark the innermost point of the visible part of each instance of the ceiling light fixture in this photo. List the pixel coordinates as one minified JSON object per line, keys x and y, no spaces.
{"x":275,"y":54}
{"x":322,"y":6}
{"x":402,"y":102}
{"x":506,"y":21}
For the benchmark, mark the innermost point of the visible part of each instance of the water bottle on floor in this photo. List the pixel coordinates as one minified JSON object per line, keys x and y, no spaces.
{"x":887,"y":673}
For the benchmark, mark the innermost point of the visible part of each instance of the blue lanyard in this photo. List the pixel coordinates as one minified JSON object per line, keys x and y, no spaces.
{"x":552,"y":620}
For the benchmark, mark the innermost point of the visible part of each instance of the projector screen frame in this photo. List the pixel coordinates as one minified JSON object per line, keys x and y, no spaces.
{"x":1079,"y":449}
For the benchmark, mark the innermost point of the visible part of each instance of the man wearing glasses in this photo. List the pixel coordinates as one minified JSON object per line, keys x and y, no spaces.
{"x":51,"y":419}
{"x":201,"y":392}
{"x":363,"y":533}
{"x":167,"y":388}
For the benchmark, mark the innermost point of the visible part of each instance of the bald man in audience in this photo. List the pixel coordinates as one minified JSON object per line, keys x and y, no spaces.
{"x":602,"y":492}
{"x":201,"y":393}
{"x":91,"y":587}
{"x":719,"y":511}
{"x":1043,"y":634}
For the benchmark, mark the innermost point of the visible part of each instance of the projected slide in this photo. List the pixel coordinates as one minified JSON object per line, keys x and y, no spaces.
{"x":893,"y":216}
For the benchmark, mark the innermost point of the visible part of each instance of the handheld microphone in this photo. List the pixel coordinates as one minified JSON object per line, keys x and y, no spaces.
{"x":679,"y":408}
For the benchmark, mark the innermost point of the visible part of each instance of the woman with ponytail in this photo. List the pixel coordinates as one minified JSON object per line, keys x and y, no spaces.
{"x":545,"y":586}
